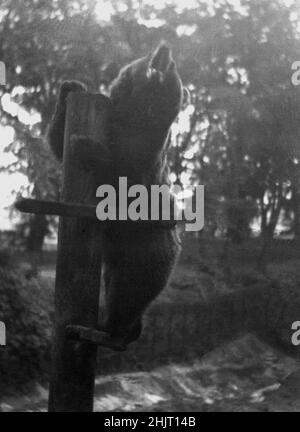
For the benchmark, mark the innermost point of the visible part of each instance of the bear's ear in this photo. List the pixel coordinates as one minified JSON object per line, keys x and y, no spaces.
{"x":186,"y":96}
{"x":161,"y":59}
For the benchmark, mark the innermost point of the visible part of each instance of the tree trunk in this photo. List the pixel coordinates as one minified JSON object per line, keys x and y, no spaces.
{"x":37,"y":231}
{"x":268,"y":234}
{"x":78,"y":269}
{"x":296,"y":210}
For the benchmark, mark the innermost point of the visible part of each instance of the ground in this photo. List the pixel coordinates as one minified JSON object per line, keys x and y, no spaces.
{"x":244,"y":375}
{"x":241,"y":372}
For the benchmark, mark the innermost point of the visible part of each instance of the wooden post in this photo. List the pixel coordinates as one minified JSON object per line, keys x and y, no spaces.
{"x":78,"y":269}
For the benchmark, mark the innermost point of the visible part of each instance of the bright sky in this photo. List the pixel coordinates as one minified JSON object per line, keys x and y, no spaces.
{"x":13,"y":182}
{"x":105,"y":9}
{"x":8,"y":183}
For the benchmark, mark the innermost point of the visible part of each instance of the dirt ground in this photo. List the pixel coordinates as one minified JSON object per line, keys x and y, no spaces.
{"x":241,"y":376}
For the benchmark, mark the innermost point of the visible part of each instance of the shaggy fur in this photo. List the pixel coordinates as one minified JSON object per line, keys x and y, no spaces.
{"x":146,"y":98}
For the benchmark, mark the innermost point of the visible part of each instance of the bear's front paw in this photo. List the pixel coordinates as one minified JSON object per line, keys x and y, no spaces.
{"x":68,"y":87}
{"x":149,"y":90}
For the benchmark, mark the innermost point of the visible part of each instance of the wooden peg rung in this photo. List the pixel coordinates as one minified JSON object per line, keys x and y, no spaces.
{"x":95,"y":337}
{"x":64,"y":209}
{"x":56,"y":208}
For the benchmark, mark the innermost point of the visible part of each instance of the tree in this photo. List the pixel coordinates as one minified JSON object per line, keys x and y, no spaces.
{"x":43,"y":44}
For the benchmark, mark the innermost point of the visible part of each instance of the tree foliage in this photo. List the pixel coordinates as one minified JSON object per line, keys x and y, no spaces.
{"x":239,"y":130}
